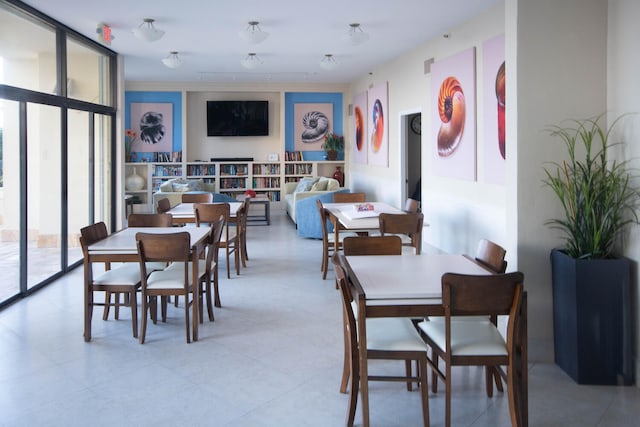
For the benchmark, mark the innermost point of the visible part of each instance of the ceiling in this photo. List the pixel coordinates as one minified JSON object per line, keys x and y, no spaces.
{"x":205,"y":33}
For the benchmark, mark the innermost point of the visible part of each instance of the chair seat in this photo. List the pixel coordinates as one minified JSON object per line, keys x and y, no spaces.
{"x":122,"y":275}
{"x":393,"y":334}
{"x":169,"y":278}
{"x":202,"y":266}
{"x":467,"y":338}
{"x":154,"y":266}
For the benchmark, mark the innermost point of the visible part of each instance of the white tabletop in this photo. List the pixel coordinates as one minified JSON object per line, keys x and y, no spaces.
{"x":185,"y":210}
{"x":124,"y":241}
{"x":408,"y":276}
{"x":351,"y":219}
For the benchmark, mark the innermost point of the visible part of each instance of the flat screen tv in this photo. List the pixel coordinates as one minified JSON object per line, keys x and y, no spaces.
{"x":237,"y":118}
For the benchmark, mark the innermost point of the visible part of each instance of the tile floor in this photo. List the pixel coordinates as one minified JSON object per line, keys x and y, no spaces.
{"x":272,"y":358}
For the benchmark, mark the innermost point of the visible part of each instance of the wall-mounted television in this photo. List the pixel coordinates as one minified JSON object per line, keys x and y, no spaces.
{"x":237,"y":118}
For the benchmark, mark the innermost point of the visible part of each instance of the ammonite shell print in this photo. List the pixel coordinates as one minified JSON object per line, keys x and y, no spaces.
{"x":359,"y":128}
{"x":316,"y":126}
{"x":377,"y":117}
{"x":501,"y":99}
{"x":452,"y":110}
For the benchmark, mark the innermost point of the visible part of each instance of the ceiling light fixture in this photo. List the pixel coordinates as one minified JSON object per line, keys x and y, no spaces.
{"x":251,"y":62}
{"x":253,"y":33}
{"x":147,"y":32}
{"x":172,"y":61}
{"x":356,"y":35}
{"x":329,"y":62}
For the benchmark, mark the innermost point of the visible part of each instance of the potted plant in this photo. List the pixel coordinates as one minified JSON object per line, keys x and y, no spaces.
{"x":333,"y":144}
{"x":591,"y":284}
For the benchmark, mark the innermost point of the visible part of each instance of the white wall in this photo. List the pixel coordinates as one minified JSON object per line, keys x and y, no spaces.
{"x":623,"y":96}
{"x":556,"y":56}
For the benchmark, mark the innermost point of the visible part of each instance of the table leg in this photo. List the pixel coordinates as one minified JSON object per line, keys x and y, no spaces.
{"x":195,"y":288}
{"x":88,"y":303}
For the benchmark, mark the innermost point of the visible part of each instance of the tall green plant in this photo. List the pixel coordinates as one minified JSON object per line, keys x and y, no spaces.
{"x":597,"y":194}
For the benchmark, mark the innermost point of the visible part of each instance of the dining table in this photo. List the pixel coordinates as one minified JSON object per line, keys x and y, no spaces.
{"x":121,"y":246}
{"x":360,"y":217}
{"x":410,"y":286}
{"x":183,"y":213}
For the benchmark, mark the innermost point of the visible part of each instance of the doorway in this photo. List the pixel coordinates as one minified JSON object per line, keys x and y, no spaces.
{"x":412,"y":155}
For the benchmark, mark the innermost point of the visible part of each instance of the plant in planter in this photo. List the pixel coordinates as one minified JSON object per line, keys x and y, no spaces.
{"x":333,"y":144}
{"x":591,"y":285}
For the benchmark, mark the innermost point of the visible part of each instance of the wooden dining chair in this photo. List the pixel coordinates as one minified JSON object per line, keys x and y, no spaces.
{"x":211,"y":214}
{"x":408,"y":226}
{"x":491,"y":255}
{"x":229,"y":240}
{"x":349,"y":197}
{"x":412,"y":205}
{"x":171,"y":248}
{"x":372,"y":245}
{"x":197,"y":198}
{"x":328,"y":239}
{"x":150,"y":220}
{"x":463,"y":343}
{"x":241,"y":230}
{"x":387,"y":338}
{"x":122,"y":279}
{"x":163,"y":205}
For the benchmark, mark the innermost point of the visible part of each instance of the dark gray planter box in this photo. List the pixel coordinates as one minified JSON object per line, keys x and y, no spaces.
{"x":592,"y":319}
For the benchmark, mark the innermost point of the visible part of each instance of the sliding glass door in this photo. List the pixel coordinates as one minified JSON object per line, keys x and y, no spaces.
{"x":56,"y":146}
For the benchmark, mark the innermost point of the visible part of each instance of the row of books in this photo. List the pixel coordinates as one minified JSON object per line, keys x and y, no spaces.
{"x":266,"y":182}
{"x":263,"y":169}
{"x":293,"y":156}
{"x":168,"y":156}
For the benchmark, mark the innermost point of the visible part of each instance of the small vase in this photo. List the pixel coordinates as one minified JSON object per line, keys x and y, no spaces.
{"x":134,"y":182}
{"x":338,"y":175}
{"x":332,"y":155}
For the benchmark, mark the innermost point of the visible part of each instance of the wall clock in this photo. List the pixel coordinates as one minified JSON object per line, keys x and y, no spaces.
{"x":416,"y":123}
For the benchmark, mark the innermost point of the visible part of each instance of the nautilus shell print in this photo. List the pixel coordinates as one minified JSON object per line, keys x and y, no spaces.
{"x":377,"y":117}
{"x":501,"y":99}
{"x":452,"y":112}
{"x":359,"y":128}
{"x":316,"y":126}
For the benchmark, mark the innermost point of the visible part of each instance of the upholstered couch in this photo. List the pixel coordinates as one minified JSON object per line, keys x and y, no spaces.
{"x":173,"y":190}
{"x":306,"y":188}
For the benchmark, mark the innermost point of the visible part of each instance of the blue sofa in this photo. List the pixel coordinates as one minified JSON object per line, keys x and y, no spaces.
{"x":308,"y":217}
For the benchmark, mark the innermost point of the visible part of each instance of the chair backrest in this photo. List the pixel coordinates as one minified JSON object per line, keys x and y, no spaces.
{"x":372,"y":245}
{"x":342,"y":281}
{"x":407,"y":223}
{"x":150,"y":220}
{"x":197,"y":198}
{"x":165,"y":247}
{"x":349,"y":197}
{"x":481,"y":295}
{"x":323,"y":221}
{"x":412,"y":205}
{"x":208,"y":213}
{"x":163,"y":205}
{"x":92,"y":233}
{"x":491,"y":255}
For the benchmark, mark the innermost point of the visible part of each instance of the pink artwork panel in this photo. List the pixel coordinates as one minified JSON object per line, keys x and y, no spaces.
{"x":453,"y":92}
{"x":378,"y":125}
{"x":153,"y":124}
{"x":494,"y":90}
{"x":359,"y":131}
